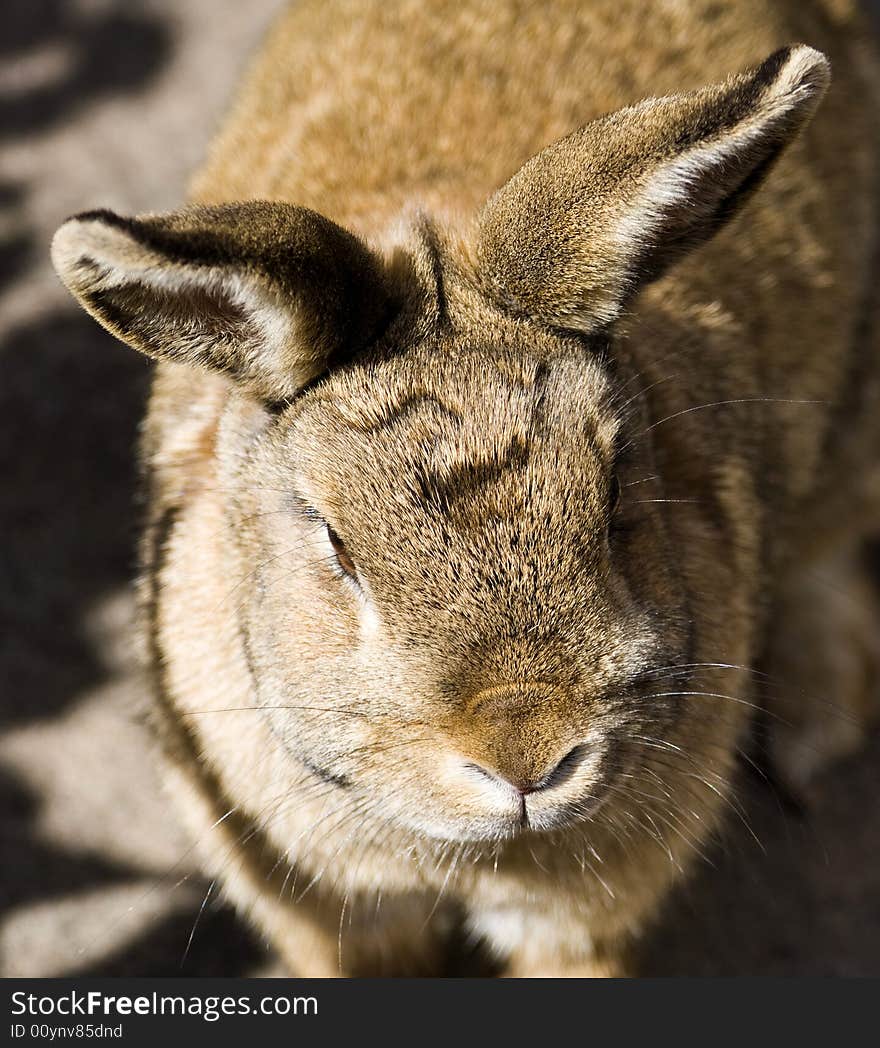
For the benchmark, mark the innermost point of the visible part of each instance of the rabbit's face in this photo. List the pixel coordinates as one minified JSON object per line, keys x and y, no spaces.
{"x":444,"y":610}
{"x":452,"y":605}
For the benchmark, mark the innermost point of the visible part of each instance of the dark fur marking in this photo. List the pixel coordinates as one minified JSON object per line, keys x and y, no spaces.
{"x":430,"y":238}
{"x":410,"y":405}
{"x":469,"y":477}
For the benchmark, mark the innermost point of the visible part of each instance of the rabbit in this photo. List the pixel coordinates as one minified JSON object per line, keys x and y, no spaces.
{"x":517,"y":381}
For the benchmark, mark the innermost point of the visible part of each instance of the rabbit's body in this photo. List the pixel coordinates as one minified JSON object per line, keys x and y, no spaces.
{"x":309,"y":730}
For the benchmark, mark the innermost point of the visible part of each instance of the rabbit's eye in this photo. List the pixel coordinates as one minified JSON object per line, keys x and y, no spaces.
{"x":343,"y":557}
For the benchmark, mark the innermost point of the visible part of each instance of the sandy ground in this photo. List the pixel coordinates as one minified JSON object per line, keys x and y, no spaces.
{"x":111,"y":104}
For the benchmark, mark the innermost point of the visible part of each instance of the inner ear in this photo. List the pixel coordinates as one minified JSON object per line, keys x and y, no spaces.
{"x":209,"y":313}
{"x":681,"y":233}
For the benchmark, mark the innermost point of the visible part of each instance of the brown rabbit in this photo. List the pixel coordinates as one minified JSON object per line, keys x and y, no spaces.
{"x":473,"y":516}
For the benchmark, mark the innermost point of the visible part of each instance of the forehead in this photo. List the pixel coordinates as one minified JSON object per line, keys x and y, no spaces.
{"x":438,"y":429}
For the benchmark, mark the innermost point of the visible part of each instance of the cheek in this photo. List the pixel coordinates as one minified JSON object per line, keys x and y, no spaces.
{"x":293,"y":585}
{"x":432,"y":794}
{"x":318,"y":637}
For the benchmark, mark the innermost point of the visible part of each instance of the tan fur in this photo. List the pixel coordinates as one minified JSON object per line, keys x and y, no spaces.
{"x":530,"y":311}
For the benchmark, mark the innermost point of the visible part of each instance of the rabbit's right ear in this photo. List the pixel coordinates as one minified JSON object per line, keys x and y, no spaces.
{"x":267,"y":293}
{"x":588,"y":221}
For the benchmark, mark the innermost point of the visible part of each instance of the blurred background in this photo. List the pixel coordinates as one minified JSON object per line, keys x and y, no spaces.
{"x":110,"y":103}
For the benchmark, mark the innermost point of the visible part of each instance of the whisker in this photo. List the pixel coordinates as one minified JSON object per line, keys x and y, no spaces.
{"x":727,"y":403}
{"x":192,"y":933}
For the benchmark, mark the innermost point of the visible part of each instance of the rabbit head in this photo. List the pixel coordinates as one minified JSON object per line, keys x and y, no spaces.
{"x":448,"y":603}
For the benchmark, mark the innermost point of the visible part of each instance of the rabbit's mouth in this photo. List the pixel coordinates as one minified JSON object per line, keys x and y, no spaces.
{"x":491,"y":802}
{"x":566,"y":800}
{"x":545,"y":804}
{"x":540,"y":818}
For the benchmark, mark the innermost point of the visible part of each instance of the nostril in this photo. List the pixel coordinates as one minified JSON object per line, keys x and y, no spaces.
{"x":480,"y":770}
{"x":563,"y":770}
{"x":557,"y":775}
{"x":497,"y":776}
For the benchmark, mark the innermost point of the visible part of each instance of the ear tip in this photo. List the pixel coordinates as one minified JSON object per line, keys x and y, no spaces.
{"x":814,"y":65}
{"x":65,"y":248}
{"x":77,"y":236}
{"x":797,"y":68}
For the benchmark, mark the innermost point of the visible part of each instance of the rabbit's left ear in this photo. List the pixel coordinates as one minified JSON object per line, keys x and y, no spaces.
{"x":588,"y":221}
{"x":269,"y":294}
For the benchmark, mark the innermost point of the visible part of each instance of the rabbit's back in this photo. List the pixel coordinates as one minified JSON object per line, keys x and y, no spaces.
{"x":357,"y":109}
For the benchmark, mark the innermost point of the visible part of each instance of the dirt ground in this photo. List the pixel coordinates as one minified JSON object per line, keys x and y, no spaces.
{"x":111,"y":104}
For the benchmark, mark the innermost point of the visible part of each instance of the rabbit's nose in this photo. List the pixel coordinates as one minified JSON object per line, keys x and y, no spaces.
{"x":547,"y":779}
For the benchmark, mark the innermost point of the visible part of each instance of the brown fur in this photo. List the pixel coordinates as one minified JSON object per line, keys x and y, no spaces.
{"x":524,"y":712}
